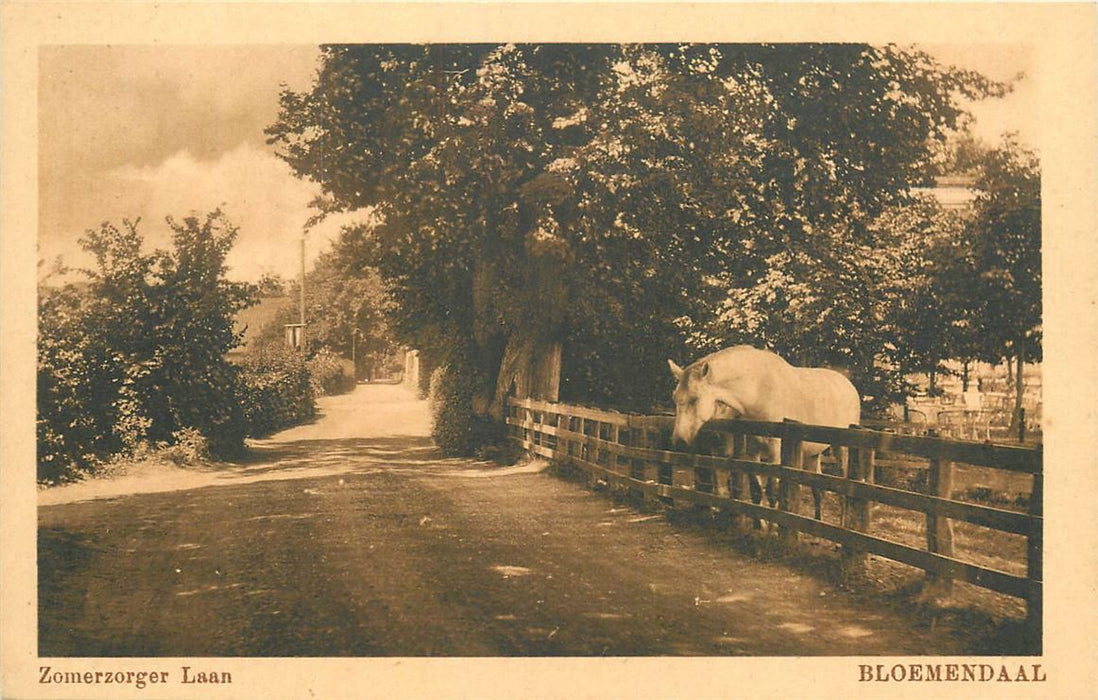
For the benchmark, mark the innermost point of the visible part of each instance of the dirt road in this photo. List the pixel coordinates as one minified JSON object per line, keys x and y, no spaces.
{"x":353,"y":536}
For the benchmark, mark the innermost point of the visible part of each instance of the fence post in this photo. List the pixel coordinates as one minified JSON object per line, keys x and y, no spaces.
{"x":939,"y":529}
{"x":590,"y":451}
{"x":527,"y":421}
{"x":512,"y":429}
{"x":538,"y":435}
{"x":612,"y":453}
{"x":519,"y":414}
{"x":855,"y":561}
{"x":564,"y":423}
{"x":644,"y":439}
{"x":553,"y":420}
{"x":789,"y":492}
{"x":738,"y":489}
{"x":1035,"y":563}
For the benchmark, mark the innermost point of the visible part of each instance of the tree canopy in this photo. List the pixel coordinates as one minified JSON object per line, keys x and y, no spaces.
{"x":631,"y":202}
{"x":1006,"y":252}
{"x":1007,"y":249}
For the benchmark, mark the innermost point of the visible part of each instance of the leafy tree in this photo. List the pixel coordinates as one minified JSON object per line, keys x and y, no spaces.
{"x":346,"y":309}
{"x":271,"y":285}
{"x":137,"y":354}
{"x":963,"y":155}
{"x":626,"y":201}
{"x":928,"y":287}
{"x":195,"y":307}
{"x":1006,"y":241}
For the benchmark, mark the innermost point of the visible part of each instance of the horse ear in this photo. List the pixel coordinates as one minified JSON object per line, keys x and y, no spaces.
{"x":675,"y":369}
{"x":704,"y":371}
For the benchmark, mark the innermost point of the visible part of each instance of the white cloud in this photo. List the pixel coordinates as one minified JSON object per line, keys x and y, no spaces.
{"x":255,"y":189}
{"x":1011,"y":63}
{"x":128,"y":132}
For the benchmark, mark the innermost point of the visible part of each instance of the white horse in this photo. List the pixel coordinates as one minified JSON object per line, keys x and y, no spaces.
{"x":743,"y":382}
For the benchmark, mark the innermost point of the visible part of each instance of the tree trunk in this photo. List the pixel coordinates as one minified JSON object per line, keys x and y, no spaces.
{"x":491,"y":357}
{"x":964,"y":377}
{"x":530,"y":369}
{"x":1019,"y":384}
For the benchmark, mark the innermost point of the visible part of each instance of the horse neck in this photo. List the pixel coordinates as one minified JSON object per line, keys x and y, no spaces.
{"x":735,"y":383}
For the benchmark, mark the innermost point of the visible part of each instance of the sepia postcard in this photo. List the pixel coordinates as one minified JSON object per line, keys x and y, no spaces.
{"x":492,"y":350}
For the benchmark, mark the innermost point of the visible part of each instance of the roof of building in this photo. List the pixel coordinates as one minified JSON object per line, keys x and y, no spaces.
{"x":254,"y":319}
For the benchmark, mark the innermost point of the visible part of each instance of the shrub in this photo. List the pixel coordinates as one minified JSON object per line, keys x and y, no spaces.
{"x":188,"y":447}
{"x":275,"y":391}
{"x":330,"y":374}
{"x":457,"y":429}
{"x":75,"y":374}
{"x":136,"y":355}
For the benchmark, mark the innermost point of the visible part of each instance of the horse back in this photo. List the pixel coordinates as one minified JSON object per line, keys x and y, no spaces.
{"x":826,"y":397}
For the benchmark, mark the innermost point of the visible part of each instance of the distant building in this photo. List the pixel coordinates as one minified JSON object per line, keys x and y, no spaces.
{"x":411,"y":367}
{"x":953,"y":192}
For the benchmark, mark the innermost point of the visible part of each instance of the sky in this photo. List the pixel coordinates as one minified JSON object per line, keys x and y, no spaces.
{"x":129,"y":132}
{"x":151,"y":131}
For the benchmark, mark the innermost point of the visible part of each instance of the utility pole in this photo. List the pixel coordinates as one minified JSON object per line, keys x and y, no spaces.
{"x":354,"y":338}
{"x":302,"y":320}
{"x":295,"y":332}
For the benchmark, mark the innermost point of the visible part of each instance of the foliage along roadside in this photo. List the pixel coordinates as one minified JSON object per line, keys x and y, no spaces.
{"x":132,"y":361}
{"x":346,"y":308}
{"x":138,"y":353}
{"x":276,"y":390}
{"x":329,"y":374}
{"x":456,"y":428}
{"x":635,"y":202}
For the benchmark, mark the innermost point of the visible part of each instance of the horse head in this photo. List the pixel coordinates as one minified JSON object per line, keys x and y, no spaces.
{"x":695,"y":400}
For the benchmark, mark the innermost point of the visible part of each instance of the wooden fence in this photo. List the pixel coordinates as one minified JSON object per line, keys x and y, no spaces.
{"x":633,"y":451}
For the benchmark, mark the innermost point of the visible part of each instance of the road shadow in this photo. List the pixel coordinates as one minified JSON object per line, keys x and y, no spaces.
{"x":62,"y":556}
{"x":285,"y":460}
{"x":351,"y":454}
{"x":394,"y":445}
{"x":327,"y":456}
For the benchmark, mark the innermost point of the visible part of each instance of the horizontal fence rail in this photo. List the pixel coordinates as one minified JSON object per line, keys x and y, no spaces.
{"x":634,"y":452}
